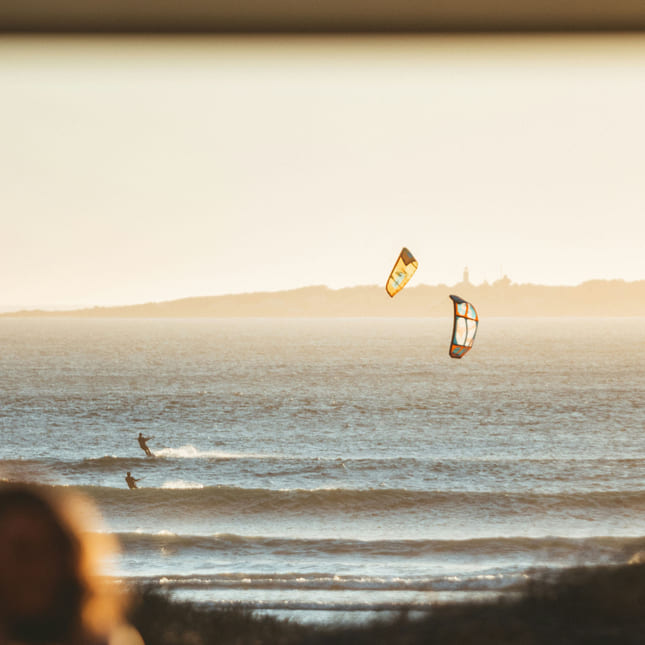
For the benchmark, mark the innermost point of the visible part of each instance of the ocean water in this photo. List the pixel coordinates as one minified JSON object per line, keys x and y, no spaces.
{"x":333,"y":468}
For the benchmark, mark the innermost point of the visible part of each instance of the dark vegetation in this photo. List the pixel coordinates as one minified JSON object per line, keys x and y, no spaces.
{"x":590,"y":606}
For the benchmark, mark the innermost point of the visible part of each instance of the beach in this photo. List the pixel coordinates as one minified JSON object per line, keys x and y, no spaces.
{"x":336,"y":471}
{"x":576,"y":606}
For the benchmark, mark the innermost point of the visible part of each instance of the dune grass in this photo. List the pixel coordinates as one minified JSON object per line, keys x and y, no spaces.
{"x":590,"y":606}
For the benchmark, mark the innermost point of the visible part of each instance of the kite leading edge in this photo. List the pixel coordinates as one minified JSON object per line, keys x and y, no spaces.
{"x":403,"y":270}
{"x":464,"y":327}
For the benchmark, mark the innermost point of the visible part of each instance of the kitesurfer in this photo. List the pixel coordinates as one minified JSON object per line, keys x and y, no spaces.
{"x":132,"y":482}
{"x":142,"y":442}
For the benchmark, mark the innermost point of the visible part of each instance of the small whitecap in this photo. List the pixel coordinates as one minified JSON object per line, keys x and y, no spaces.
{"x":180,"y":484}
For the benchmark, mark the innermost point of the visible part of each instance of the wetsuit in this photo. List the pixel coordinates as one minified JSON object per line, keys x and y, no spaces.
{"x":132,"y":482}
{"x":142,"y":442}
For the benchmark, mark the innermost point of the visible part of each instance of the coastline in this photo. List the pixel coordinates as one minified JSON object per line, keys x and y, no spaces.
{"x":595,"y":298}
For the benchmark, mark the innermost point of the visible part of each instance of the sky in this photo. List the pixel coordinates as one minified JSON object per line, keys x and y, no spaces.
{"x":146,"y":169}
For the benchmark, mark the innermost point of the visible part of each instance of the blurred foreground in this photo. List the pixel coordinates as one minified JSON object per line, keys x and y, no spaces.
{"x":600,"y":605}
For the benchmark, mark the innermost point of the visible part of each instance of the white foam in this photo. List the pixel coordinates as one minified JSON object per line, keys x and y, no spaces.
{"x":180,"y":484}
{"x":190,"y":452}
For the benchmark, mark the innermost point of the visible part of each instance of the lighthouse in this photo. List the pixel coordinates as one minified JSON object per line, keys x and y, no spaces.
{"x":466,"y":276}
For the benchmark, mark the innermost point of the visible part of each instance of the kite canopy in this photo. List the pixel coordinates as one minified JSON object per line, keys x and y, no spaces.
{"x":464,"y":327}
{"x":403,"y":270}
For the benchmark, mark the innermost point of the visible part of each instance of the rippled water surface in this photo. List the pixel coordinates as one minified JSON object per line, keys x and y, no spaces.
{"x":307,"y":465}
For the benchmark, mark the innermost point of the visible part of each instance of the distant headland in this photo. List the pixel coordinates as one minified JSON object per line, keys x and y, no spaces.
{"x":501,"y":298}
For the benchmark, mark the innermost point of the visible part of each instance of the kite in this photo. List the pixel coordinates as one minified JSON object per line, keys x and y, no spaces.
{"x":464,"y":327}
{"x":403,"y":270}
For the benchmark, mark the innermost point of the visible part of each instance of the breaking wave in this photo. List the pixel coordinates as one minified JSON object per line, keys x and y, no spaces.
{"x":329,"y":582}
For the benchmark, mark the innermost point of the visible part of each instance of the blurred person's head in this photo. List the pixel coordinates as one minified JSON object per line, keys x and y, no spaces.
{"x":50,"y":588}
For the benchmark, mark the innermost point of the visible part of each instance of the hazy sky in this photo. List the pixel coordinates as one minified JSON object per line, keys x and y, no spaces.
{"x":153,"y":169}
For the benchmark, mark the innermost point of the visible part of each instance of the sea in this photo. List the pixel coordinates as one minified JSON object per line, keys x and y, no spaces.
{"x":335,"y":469}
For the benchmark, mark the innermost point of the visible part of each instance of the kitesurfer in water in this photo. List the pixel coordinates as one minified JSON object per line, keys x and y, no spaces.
{"x":142,"y":442}
{"x":132,"y":482}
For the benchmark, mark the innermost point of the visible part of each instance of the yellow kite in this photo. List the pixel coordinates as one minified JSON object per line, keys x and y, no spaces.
{"x":403,"y":270}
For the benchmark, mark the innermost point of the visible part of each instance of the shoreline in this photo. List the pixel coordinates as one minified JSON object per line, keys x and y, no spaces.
{"x":575,"y":606}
